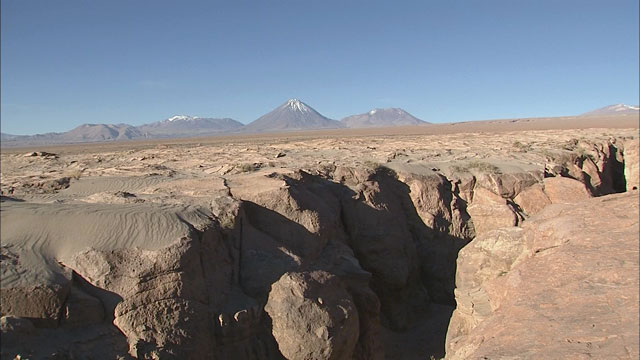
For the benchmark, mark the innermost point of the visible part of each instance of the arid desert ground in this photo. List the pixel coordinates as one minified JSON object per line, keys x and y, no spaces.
{"x":482,"y":240}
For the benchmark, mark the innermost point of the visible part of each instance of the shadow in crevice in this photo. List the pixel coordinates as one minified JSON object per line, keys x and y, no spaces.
{"x":437,"y":247}
{"x":108,"y":298}
{"x":373,"y":217}
{"x":616,"y":168}
{"x":437,"y":255}
{"x":384,"y":202}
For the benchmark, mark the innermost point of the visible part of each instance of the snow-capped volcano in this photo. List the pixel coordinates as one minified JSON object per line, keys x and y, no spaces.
{"x":615,"y":109}
{"x":297,"y":105}
{"x":381,"y":118}
{"x":292,"y":115}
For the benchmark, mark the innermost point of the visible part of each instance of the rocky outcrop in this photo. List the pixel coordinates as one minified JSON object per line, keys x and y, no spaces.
{"x":82,"y":309}
{"x":29,"y":293}
{"x":439,"y":203}
{"x":570,"y":260}
{"x":599,"y":166}
{"x":158,"y":291}
{"x":162,"y":300}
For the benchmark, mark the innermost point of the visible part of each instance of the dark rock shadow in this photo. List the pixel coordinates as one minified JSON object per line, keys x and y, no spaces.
{"x":97,"y":340}
{"x":437,"y":253}
{"x":4,"y":198}
{"x":387,"y":240}
{"x":108,"y":299}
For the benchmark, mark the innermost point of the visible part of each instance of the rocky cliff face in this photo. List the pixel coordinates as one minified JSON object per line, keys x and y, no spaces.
{"x":564,"y":285}
{"x":289,"y":264}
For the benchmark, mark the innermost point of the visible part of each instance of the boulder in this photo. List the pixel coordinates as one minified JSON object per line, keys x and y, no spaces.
{"x":490,"y":211}
{"x":437,"y":205}
{"x":532,"y":199}
{"x":313,"y":316}
{"x":561,"y":190}
{"x":507,"y":185}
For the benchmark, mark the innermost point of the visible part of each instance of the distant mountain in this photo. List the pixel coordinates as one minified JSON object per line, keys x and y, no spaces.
{"x":82,"y":133}
{"x":183,"y":125}
{"x":100,"y":132}
{"x":382,"y":118}
{"x":7,"y":137}
{"x":615,"y":109}
{"x":292,"y":115}
{"x":176,"y":126}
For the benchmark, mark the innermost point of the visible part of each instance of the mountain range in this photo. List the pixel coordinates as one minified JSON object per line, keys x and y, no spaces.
{"x":184,"y":126}
{"x":614,"y":109}
{"x":293,"y":115}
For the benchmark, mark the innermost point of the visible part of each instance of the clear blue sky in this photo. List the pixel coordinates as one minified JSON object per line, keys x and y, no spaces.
{"x":70,"y":62}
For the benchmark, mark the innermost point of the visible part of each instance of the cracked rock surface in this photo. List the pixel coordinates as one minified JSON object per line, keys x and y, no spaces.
{"x":224,"y":250}
{"x":565,"y":285}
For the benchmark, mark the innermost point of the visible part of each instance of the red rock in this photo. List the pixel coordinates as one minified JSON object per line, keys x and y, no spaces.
{"x":565,"y":286}
{"x":532,"y":199}
{"x":561,"y":190}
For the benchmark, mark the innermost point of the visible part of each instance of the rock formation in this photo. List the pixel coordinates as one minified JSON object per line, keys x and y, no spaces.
{"x":317,"y":263}
{"x":564,"y":285}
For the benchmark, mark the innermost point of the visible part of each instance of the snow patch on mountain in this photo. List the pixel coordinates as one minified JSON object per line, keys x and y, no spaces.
{"x":182,"y":117}
{"x":615,"y":109}
{"x":297,"y":105}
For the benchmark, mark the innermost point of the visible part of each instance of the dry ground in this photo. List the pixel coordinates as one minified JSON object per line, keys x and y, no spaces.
{"x":187,"y":171}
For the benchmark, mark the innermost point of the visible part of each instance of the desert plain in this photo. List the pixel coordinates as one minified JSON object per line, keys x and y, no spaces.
{"x":504,"y":239}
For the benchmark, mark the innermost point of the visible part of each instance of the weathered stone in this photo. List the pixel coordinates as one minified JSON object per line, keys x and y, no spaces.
{"x":313,"y":316}
{"x":532,"y":199}
{"x":161,"y":301}
{"x":55,"y":184}
{"x":554,"y":289}
{"x":487,"y":257}
{"x":489,"y":211}
{"x":507,"y":185}
{"x":435,"y":203}
{"x":29,"y":293}
{"x":562,"y":190}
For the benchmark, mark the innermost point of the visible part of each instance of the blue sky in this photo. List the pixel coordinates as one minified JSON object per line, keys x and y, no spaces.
{"x":70,"y":62}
